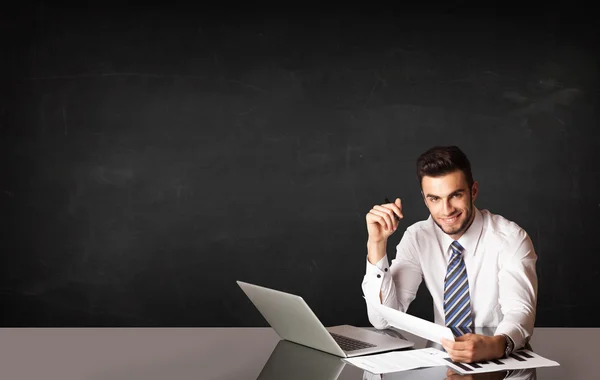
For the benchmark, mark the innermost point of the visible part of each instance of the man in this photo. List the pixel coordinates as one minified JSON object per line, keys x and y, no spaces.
{"x":479,"y":267}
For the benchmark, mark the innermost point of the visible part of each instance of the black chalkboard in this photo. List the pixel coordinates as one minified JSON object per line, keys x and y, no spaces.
{"x":153,"y":156}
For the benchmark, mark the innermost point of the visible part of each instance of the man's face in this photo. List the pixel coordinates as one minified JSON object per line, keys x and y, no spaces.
{"x":450,"y":202}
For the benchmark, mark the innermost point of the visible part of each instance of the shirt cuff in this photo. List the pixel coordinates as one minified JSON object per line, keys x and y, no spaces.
{"x":378,"y":279}
{"x":513,"y":333}
{"x":380,"y":267}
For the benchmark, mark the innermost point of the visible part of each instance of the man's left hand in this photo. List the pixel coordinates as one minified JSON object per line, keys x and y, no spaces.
{"x":471,"y":348}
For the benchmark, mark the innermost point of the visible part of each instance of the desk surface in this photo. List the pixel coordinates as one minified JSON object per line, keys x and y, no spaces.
{"x":224,"y":353}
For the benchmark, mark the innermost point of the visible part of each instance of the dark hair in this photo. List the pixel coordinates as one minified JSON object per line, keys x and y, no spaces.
{"x":441,"y":160}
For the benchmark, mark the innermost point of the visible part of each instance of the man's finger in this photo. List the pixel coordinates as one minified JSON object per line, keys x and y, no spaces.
{"x":396,"y":212}
{"x":385,"y":220}
{"x":463,"y":338}
{"x":398,"y":205}
{"x":458,"y":346}
{"x":459,"y":358}
{"x":393,"y":218}
{"x":447,"y":344}
{"x":393,"y":210}
{"x":462,"y":356}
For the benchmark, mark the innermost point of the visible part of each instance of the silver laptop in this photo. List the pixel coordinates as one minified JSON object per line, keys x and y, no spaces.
{"x":293,"y":320}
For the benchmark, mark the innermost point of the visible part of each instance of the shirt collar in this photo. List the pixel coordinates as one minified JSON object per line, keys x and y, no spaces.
{"x":468,"y":240}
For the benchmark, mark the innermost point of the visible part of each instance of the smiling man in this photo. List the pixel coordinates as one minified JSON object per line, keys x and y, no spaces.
{"x":478,"y":266}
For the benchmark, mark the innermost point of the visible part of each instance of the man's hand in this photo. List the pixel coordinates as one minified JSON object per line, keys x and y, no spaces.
{"x":382,"y":220}
{"x":471,"y":348}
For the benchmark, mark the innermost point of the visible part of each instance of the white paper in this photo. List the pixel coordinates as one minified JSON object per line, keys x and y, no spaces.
{"x":412,"y":324}
{"x":528,"y":358}
{"x":399,"y":360}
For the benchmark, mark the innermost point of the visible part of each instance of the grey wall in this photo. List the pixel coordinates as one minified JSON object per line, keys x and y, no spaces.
{"x":153,"y":156}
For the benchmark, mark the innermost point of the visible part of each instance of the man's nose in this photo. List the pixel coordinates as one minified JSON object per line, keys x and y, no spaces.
{"x":447,"y":207}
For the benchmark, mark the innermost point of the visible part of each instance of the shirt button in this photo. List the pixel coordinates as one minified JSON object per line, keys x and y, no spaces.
{"x":385,"y":269}
{"x":378,"y":276}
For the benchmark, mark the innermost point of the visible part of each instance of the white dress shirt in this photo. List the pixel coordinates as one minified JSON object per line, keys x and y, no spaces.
{"x":500,"y":261}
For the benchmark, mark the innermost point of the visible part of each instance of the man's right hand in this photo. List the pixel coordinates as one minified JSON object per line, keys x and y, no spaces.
{"x":382,"y":222}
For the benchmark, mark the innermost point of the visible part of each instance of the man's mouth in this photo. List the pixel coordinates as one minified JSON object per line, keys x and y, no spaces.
{"x":451,"y":220}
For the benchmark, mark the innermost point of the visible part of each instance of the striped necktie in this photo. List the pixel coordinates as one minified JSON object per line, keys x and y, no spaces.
{"x":457,"y":303}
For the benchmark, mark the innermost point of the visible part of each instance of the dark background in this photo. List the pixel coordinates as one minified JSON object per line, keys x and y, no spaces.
{"x":151,"y":156}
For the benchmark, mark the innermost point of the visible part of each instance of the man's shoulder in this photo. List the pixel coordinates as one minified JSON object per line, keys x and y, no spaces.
{"x":501,"y":226}
{"x":507,"y":237}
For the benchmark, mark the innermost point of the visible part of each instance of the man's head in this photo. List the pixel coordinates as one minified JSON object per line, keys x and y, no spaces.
{"x":448,"y":188}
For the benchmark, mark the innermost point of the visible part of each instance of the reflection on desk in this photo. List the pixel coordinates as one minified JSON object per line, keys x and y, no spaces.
{"x":232,"y":353}
{"x":442,"y":372}
{"x":296,"y":362}
{"x":293,"y":361}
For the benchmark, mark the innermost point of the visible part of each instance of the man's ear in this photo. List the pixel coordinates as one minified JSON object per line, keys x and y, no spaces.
{"x":474,"y":191}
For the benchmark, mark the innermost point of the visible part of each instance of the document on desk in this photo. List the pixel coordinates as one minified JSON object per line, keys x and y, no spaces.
{"x":396,"y":361}
{"x":412,"y":324}
{"x":521,"y":359}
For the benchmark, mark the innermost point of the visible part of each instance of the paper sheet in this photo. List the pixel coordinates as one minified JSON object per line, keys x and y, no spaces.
{"x":399,"y":360}
{"x":521,"y":359}
{"x":412,"y":324}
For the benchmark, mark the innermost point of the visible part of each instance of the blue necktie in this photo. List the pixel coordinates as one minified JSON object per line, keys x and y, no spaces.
{"x":457,"y":303}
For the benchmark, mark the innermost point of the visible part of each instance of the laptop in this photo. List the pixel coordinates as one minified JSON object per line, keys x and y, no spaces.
{"x":293,"y":320}
{"x":291,"y":361}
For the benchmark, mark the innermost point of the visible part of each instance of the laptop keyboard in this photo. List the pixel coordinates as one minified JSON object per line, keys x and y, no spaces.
{"x":349,"y":344}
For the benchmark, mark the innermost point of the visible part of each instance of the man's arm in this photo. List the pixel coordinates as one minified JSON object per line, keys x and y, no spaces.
{"x":518,"y":287}
{"x":382,"y":222}
{"x":518,"y":296}
{"x":376,"y":255}
{"x":394,"y":286}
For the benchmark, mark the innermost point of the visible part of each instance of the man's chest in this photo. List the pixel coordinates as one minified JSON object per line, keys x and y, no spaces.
{"x":481,"y":270}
